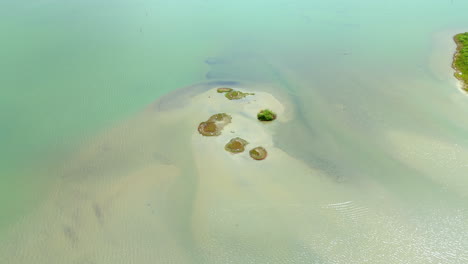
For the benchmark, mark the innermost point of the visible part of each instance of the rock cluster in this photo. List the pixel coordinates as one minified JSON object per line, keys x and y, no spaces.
{"x":215,"y":124}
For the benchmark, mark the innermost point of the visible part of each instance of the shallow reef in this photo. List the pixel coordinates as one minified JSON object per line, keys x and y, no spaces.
{"x":214,"y":125}
{"x":258,"y":153}
{"x":236,"y":145}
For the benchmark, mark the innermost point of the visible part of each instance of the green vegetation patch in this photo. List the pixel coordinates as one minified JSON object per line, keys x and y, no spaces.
{"x":266,"y":115}
{"x":236,"y":95}
{"x":460,"y":60}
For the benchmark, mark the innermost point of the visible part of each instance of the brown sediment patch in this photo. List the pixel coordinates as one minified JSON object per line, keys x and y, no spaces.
{"x":214,"y":125}
{"x":236,"y":145}
{"x":258,"y":153}
{"x":224,"y":90}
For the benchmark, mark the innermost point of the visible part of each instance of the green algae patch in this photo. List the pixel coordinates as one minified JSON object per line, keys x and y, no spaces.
{"x":214,"y":125}
{"x":236,"y":145}
{"x":221,"y":119}
{"x":224,"y":90}
{"x":236,"y":95}
{"x":258,"y":153}
{"x":460,"y":59}
{"x":266,"y":115}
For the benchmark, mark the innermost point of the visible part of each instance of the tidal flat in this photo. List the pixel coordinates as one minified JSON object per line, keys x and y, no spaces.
{"x":152,"y":188}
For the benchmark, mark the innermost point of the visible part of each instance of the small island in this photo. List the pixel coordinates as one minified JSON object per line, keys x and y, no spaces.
{"x":460,"y":59}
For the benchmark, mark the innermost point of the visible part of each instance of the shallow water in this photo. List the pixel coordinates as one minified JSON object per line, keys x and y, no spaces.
{"x":103,"y":164}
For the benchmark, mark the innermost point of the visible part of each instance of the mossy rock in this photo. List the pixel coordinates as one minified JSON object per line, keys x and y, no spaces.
{"x":258,"y":153}
{"x":266,"y":115}
{"x":236,"y":95}
{"x":236,"y":145}
{"x":214,"y":125}
{"x":209,"y":129}
{"x":224,"y":90}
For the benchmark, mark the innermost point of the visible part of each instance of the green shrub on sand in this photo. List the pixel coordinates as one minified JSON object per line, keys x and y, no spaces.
{"x":266,"y":115}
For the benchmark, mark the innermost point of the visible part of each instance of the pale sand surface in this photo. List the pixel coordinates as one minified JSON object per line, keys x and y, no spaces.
{"x":441,"y":161}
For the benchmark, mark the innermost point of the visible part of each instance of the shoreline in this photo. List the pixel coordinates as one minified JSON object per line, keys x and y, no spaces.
{"x":458,"y":72}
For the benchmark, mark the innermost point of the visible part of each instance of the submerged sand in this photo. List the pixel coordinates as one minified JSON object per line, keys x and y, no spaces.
{"x":153,"y":190}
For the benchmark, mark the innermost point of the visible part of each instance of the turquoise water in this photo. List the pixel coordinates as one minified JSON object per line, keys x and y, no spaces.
{"x":375,"y":111}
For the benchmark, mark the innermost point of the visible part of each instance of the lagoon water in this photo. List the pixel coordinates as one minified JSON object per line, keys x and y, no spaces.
{"x":101,"y":162}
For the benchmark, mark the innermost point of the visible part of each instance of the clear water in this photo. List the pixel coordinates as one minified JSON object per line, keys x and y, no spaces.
{"x":376,"y":166}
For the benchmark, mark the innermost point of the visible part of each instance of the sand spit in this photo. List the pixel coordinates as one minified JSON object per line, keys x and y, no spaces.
{"x":128,"y":195}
